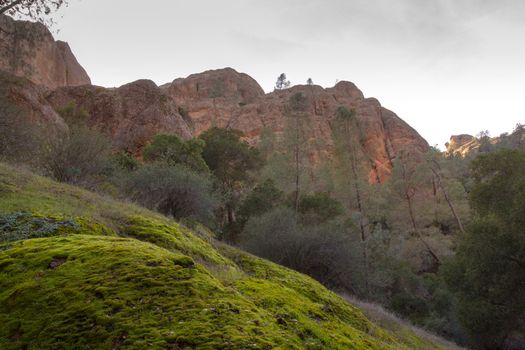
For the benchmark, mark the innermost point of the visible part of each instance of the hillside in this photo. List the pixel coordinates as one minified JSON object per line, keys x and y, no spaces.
{"x":77,"y":268}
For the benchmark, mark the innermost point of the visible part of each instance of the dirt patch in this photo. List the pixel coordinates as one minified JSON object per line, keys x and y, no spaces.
{"x":56,"y":262}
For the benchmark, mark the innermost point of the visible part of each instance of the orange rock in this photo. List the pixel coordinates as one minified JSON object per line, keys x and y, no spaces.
{"x":28,"y":50}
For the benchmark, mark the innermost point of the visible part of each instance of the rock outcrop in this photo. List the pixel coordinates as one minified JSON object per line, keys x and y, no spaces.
{"x":226,"y":98}
{"x":29,"y":50}
{"x":131,"y":114}
{"x":461,"y":145}
{"x":23,"y":103}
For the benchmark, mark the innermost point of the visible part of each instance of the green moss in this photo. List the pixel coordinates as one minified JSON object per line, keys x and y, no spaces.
{"x":157,"y":286}
{"x":93,"y":292}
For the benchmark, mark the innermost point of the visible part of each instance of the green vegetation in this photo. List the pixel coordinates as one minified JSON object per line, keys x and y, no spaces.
{"x":171,"y":150}
{"x":158,"y":285}
{"x":488,"y":271}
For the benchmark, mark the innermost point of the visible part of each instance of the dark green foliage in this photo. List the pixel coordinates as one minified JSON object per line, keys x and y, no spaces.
{"x":319,"y":208}
{"x":263,"y":198}
{"x":172,"y":190}
{"x":23,"y":225}
{"x":233,"y":163}
{"x":171,"y":150}
{"x":229,"y":158}
{"x":488,"y":271}
{"x":321,"y":251}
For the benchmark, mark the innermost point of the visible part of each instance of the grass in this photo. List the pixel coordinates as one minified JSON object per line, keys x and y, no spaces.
{"x":111,"y":275}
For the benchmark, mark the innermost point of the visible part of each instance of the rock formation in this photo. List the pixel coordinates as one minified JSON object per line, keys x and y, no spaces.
{"x":24,"y":102}
{"x":132,"y":114}
{"x":226,"y":98}
{"x":461,"y":145}
{"x":28,"y":50}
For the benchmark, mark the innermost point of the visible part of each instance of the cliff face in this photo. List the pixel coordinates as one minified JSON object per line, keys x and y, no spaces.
{"x":226,"y":98}
{"x":132,"y":114}
{"x":28,"y":50}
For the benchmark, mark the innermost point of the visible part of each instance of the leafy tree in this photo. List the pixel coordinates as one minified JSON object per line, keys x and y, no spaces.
{"x":232,"y":162}
{"x":309,"y":81}
{"x":488,"y":271}
{"x":282,"y":83}
{"x":38,"y":10}
{"x":263,"y":198}
{"x":319,"y":208}
{"x":172,"y":190}
{"x":171,"y":150}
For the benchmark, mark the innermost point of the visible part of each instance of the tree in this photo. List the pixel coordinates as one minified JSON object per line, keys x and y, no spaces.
{"x":310,"y":82}
{"x":171,"y":150}
{"x":282,"y":83}
{"x":172,"y":190}
{"x":296,"y":110}
{"x":37,"y":10}
{"x":263,"y":198}
{"x":232,"y":162}
{"x":433,"y":158}
{"x":319,"y":208}
{"x":405,"y":182}
{"x":347,"y":136}
{"x":488,"y":271}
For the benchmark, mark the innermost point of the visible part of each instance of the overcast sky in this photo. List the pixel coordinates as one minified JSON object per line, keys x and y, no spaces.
{"x":444,"y":66}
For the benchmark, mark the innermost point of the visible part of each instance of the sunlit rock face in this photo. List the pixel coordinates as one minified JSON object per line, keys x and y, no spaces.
{"x":28,"y":50}
{"x":226,"y":98}
{"x":134,"y":113}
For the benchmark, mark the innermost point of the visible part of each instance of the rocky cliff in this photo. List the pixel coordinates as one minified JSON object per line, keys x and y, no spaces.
{"x":132,"y":114}
{"x":29,"y":50}
{"x":225,"y":98}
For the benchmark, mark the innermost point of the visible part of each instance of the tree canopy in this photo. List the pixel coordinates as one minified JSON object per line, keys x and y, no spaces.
{"x":488,"y":272}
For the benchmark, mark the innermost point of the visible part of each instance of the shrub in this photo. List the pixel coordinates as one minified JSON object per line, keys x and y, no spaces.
{"x":22,"y":225}
{"x":321,"y":251}
{"x":172,"y":190}
{"x":80,"y":156}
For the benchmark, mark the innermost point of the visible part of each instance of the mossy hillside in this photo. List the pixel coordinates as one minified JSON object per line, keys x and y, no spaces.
{"x":233,"y":298}
{"x":81,"y":292}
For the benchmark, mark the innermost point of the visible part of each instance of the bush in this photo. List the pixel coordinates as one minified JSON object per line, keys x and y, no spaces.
{"x":172,"y":190}
{"x":171,"y":150}
{"x":321,"y":251}
{"x":80,"y":156}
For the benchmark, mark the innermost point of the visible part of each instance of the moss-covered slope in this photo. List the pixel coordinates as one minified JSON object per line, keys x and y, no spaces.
{"x":79,"y":271}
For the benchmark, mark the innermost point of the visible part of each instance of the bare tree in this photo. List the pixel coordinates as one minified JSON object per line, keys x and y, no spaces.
{"x":37,"y":10}
{"x":406,"y":184}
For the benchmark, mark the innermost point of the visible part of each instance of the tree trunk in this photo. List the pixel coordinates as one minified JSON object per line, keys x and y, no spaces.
{"x":408,"y":198}
{"x":353,"y":166}
{"x":447,"y":198}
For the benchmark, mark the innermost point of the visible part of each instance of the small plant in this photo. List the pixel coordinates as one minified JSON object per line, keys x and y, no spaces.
{"x":23,"y":225}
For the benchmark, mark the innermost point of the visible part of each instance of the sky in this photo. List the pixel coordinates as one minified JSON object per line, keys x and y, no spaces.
{"x":444,"y":66}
